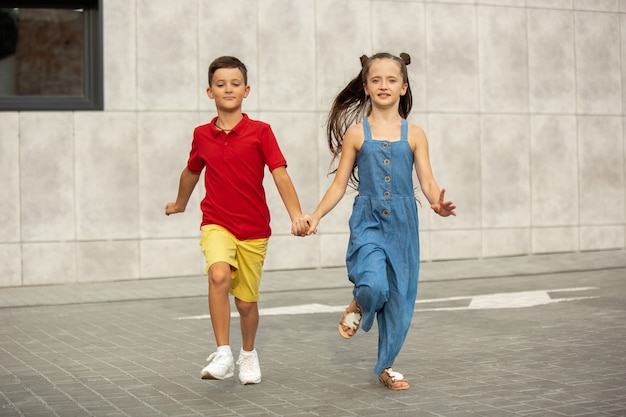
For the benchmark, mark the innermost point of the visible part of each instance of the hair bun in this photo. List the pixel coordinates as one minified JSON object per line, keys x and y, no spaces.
{"x":406,"y":58}
{"x":363,"y":59}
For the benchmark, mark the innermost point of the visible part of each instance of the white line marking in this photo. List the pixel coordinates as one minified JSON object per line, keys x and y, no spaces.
{"x":519,"y":299}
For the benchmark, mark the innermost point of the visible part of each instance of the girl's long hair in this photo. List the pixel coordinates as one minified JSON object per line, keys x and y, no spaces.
{"x":352,"y":104}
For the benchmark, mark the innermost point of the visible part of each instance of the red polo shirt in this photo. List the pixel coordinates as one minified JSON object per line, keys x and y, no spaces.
{"x":235,"y":165}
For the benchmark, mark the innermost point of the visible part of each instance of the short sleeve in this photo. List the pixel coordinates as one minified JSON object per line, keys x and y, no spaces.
{"x":272,"y":154}
{"x":195,"y":163}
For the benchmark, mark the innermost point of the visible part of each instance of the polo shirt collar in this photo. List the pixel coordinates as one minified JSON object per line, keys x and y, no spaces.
{"x":238,"y":129}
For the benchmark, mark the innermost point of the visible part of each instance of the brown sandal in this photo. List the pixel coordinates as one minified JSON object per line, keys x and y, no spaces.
{"x":389,"y":378}
{"x":351,"y":319}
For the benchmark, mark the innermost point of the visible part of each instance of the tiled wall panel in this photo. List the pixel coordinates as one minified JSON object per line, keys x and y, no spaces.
{"x":120,"y":50}
{"x":554,"y":171}
{"x":11,"y":261}
{"x":167,"y":53}
{"x":338,"y":61}
{"x":505,"y":171}
{"x":523,"y":103}
{"x":228,"y":36}
{"x":459,"y":172}
{"x":555,"y":239}
{"x":600,"y":144}
{"x":10,"y":224}
{"x":598,"y":64}
{"x":107,"y":183}
{"x":503,"y":55}
{"x":452,"y":58}
{"x":286,"y":39}
{"x":164,"y":142}
{"x":506,"y":242}
{"x":49,"y":263}
{"x":171,"y":257}
{"x":47,"y":176}
{"x":406,"y":34}
{"x":94,"y":260}
{"x":551,"y":61}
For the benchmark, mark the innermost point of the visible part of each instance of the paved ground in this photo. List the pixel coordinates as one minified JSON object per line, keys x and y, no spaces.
{"x":523,"y":336}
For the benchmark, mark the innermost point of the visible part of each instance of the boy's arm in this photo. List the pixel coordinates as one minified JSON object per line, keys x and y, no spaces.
{"x":289,"y":196}
{"x":188,"y":181}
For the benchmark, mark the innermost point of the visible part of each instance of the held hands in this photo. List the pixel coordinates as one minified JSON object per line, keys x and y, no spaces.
{"x":443,"y":208}
{"x":304,"y":225}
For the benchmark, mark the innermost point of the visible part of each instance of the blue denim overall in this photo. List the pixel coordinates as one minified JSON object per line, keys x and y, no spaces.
{"x":383,"y":251}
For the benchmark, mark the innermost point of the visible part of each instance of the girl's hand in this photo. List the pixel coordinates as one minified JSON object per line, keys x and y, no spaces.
{"x":304,"y":225}
{"x":443,"y":208}
{"x":300,"y":226}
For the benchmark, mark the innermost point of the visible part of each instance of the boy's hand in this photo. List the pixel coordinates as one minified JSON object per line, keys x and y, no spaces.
{"x":170,"y":208}
{"x":443,"y":208}
{"x":300,"y":226}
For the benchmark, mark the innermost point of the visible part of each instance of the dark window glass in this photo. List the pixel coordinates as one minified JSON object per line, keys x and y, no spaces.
{"x":50,"y":55}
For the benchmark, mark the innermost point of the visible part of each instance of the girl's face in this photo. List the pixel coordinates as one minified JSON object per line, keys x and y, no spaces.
{"x":385,"y":84}
{"x":228,"y":88}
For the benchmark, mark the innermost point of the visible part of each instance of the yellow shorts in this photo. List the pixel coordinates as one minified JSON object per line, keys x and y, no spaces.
{"x":245,"y":257}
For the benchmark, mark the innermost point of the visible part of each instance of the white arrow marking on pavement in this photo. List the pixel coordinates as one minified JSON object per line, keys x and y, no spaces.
{"x":520,"y":299}
{"x":509,"y":300}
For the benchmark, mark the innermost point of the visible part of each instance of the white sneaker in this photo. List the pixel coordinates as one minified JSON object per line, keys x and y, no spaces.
{"x":221,"y":366}
{"x":249,"y":369}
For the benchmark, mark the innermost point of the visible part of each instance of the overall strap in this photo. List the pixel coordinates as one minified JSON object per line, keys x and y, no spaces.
{"x":405,"y":130}
{"x":367,"y":131}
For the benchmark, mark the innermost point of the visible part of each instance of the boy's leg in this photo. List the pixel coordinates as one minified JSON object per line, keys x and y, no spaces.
{"x":248,"y":361}
{"x":219,"y":248}
{"x":219,"y":303}
{"x":245,"y":289}
{"x":249,"y":319}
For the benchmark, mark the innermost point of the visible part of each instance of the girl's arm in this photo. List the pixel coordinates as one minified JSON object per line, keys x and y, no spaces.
{"x":336,"y":191}
{"x":188,"y":181}
{"x":425,"y":176}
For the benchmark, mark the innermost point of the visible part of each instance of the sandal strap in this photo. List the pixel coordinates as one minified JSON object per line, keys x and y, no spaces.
{"x":394,"y":375}
{"x":352,"y":320}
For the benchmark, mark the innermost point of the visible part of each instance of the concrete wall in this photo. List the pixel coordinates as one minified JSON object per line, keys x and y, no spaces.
{"x":522,"y":100}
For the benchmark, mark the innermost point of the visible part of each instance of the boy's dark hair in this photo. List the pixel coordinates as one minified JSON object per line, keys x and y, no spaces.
{"x":227,"y":62}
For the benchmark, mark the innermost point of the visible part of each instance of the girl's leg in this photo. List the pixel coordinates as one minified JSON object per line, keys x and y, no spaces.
{"x":249,"y":319}
{"x":219,"y":303}
{"x":392,"y":331}
{"x":394,"y":319}
{"x":371,"y":289}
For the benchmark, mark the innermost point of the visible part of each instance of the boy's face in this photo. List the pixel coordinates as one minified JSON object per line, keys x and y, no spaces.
{"x":228,"y":88}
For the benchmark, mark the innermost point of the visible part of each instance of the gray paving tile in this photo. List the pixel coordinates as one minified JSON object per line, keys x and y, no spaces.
{"x":109,"y":349}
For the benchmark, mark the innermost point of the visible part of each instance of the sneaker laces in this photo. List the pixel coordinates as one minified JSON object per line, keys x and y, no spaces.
{"x":219,"y":358}
{"x":246,"y":362}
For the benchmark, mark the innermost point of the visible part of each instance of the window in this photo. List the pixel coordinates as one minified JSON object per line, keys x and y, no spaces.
{"x":51,"y":55}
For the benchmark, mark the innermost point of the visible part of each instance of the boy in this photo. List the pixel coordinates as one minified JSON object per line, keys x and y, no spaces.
{"x":233,"y":150}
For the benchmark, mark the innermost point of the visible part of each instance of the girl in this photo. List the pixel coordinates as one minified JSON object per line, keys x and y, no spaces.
{"x":376,"y":156}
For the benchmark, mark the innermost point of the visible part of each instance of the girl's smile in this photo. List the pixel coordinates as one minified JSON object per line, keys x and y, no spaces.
{"x":385,"y":80}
